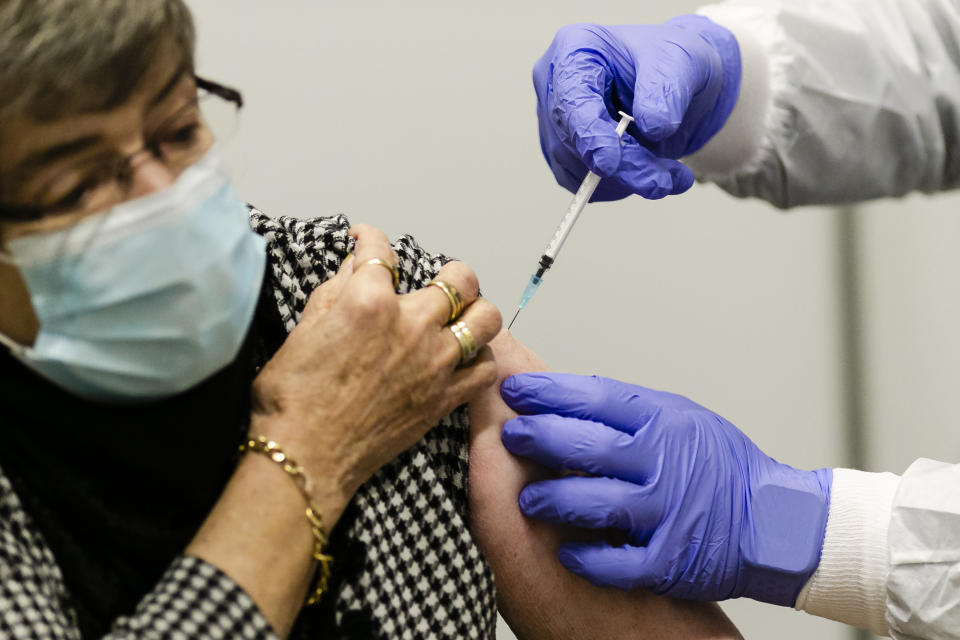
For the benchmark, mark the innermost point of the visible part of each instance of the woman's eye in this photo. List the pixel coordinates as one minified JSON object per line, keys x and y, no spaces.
{"x":182,"y":135}
{"x":75,"y":197}
{"x":85,"y":191}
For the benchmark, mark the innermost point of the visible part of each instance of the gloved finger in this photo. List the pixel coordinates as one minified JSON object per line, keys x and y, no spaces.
{"x":594,"y":503}
{"x":611,"y":189}
{"x":570,"y":171}
{"x":640,"y":172}
{"x":681,"y":174}
{"x":580,"y":445}
{"x":643,"y":173}
{"x":626,"y":567}
{"x":579,"y":112}
{"x":623,"y":406}
{"x":567,"y":168}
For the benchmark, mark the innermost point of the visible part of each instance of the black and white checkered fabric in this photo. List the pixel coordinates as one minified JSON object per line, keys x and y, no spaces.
{"x":416,"y":571}
{"x":406,"y":564}
{"x":194,"y":599}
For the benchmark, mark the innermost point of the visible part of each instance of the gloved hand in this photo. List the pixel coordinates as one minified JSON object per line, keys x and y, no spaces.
{"x":709,"y":516}
{"x":680,"y":80}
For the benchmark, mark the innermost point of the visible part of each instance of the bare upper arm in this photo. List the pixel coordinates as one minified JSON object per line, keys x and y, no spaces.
{"x":538,"y":597}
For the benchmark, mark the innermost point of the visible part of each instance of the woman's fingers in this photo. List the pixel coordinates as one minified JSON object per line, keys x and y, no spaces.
{"x":482,"y":320}
{"x":346,"y":267}
{"x":458,"y":388}
{"x":468,"y":381}
{"x":436,"y":302}
{"x":369,"y":298}
{"x":373,"y":246}
{"x":326,"y":295}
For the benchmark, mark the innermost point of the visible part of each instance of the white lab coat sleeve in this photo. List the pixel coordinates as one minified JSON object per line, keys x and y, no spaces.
{"x":891,"y":553}
{"x":923,"y":588}
{"x":849,"y":584}
{"x":841,"y":100}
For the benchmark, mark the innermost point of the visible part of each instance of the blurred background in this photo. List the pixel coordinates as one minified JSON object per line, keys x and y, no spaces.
{"x":829,"y":336}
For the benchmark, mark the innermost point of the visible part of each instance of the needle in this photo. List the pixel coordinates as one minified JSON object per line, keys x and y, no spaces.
{"x":510,"y":326}
{"x":580,"y":200}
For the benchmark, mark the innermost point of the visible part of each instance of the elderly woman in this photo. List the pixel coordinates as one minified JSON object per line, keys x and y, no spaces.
{"x":195,"y":395}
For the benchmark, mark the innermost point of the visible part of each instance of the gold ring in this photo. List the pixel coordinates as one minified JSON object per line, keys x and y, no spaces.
{"x":468,"y":346}
{"x":389,"y":267}
{"x":456,"y":300}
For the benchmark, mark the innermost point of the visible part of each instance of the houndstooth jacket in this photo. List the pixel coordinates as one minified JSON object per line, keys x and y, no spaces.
{"x":407,"y":566}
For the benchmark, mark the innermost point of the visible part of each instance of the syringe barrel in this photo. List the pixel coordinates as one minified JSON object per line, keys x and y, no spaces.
{"x":580,"y":200}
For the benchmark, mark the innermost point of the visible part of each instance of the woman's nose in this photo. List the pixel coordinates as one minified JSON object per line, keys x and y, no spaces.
{"x":147,"y":175}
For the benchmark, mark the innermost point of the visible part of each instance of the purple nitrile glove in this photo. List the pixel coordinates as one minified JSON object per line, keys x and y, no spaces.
{"x":709,"y":516}
{"x":680,"y":80}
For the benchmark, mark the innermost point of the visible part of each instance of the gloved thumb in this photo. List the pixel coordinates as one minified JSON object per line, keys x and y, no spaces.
{"x":625,"y":567}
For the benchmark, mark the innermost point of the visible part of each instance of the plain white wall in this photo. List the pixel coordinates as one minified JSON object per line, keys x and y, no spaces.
{"x":419,"y":118}
{"x":909,"y":262}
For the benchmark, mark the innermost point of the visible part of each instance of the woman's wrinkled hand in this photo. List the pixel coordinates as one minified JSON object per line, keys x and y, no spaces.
{"x":367,"y":372}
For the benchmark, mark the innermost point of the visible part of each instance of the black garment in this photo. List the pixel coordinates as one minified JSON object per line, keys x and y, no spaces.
{"x":119,"y":491}
{"x":405,"y":563}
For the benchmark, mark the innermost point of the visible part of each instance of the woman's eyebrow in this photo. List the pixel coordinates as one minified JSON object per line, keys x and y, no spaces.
{"x":172,"y":82}
{"x":41,"y":157}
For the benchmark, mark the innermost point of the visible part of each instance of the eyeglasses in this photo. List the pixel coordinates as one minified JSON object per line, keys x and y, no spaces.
{"x":105,"y":180}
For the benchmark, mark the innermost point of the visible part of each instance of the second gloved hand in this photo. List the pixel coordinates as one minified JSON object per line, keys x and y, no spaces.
{"x":680,"y":80}
{"x":709,"y":515}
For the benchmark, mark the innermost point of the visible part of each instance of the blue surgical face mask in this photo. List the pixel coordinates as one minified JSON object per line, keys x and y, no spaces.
{"x":146,"y":299}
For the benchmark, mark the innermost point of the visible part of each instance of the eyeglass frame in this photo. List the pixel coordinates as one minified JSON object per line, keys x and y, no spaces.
{"x":28,"y":213}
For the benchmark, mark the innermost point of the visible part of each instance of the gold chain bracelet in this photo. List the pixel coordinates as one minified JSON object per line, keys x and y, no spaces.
{"x":273,"y":451}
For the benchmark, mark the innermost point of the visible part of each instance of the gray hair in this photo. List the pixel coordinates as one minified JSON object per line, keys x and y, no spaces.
{"x":63,"y":57}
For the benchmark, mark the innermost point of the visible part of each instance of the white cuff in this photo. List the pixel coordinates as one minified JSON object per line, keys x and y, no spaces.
{"x":746,"y":141}
{"x":850,"y":583}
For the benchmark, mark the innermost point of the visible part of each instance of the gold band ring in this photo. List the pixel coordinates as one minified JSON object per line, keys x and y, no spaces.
{"x":389,"y":267}
{"x":468,"y":346}
{"x":456,"y":300}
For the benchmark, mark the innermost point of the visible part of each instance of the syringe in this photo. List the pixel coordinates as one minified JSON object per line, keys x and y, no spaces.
{"x":580,"y":200}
